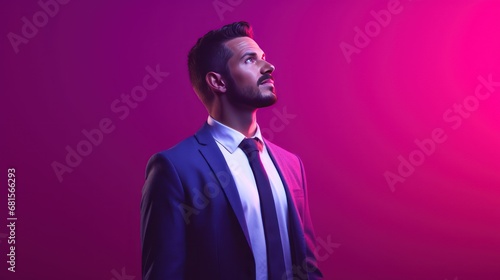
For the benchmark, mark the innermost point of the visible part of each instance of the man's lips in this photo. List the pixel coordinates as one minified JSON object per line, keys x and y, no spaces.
{"x":268,"y":81}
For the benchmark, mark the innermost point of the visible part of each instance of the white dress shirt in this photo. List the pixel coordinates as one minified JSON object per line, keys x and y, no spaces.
{"x":228,"y":141}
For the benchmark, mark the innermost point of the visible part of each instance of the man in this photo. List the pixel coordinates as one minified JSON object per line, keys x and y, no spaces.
{"x":225,"y":203}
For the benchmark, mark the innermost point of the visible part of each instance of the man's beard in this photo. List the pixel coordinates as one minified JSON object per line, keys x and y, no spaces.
{"x":249,"y":96}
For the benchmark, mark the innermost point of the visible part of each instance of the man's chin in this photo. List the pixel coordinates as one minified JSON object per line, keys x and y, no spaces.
{"x":258,"y":99}
{"x":267,"y":101}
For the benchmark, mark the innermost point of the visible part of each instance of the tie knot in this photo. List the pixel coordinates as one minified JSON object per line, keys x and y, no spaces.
{"x":249,"y":145}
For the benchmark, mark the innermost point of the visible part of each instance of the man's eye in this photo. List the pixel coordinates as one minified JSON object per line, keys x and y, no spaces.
{"x":250,"y":60}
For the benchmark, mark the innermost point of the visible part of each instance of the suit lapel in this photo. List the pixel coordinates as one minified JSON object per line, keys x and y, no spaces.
{"x":295,"y":231}
{"x":214,"y":158}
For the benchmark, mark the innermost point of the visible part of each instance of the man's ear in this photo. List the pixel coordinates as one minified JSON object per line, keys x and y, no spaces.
{"x":215,"y":82}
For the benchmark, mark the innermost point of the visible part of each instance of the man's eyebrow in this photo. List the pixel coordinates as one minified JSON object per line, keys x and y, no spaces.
{"x":249,"y":54}
{"x":252,"y":54}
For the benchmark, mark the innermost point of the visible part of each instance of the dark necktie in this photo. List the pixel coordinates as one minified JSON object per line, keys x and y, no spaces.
{"x":275,"y":258}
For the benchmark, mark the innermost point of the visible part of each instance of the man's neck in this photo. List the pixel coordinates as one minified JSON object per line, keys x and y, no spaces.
{"x":244,"y":122}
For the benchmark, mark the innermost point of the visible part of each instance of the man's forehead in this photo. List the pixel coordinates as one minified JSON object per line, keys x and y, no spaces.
{"x":242,"y":45}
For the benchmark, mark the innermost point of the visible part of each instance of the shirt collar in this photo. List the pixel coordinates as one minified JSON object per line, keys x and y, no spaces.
{"x":229,"y":138}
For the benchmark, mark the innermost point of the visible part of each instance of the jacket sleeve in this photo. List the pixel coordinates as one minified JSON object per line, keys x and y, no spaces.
{"x":163,"y":226}
{"x":314,"y":272}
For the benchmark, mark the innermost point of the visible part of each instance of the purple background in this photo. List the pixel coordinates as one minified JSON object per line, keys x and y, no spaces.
{"x":350,"y":119}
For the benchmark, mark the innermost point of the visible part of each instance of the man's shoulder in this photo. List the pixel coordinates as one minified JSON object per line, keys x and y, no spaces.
{"x":182,"y":149}
{"x":180,"y":157}
{"x":188,"y":148}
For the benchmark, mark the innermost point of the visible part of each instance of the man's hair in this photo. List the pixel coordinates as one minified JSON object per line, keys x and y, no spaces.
{"x":210,"y":54}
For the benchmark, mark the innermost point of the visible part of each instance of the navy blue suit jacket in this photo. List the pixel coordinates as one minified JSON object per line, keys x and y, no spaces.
{"x":192,"y":221}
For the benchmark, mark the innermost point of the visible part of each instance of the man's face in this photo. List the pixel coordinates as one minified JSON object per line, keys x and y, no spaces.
{"x":250,"y":83}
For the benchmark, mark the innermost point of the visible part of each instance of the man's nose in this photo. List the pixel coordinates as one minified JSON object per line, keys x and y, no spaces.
{"x":267,"y":68}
